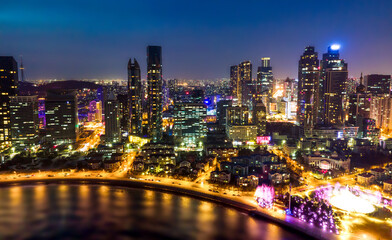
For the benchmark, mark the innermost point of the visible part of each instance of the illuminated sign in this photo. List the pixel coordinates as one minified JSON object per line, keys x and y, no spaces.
{"x":263,"y":139}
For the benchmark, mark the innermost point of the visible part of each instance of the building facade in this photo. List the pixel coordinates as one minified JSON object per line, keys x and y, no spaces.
{"x":24,"y":120}
{"x":8,"y":88}
{"x":308,"y":77}
{"x":135,"y":97}
{"x":332,"y":88}
{"x":154,"y":92}
{"x":190,"y":129}
{"x":61,"y":113}
{"x":112,"y":120}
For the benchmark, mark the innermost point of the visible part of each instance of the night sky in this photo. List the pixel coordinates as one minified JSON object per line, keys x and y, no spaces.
{"x":200,"y":39}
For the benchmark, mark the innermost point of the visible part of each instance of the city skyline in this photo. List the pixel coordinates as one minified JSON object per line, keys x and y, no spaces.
{"x":97,"y":47}
{"x":288,"y":121}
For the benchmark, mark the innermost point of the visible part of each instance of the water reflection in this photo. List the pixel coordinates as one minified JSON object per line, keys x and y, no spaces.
{"x":103,"y":212}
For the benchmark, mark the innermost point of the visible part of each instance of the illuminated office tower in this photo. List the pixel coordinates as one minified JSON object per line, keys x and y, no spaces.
{"x":8,"y":87}
{"x":95,"y":111}
{"x":245,"y":85}
{"x":236,"y":115}
{"x":154,"y":92}
{"x":41,"y":113}
{"x":135,"y":97}
{"x":112,"y":119}
{"x":308,"y":77}
{"x":332,"y":88}
{"x":61,"y":113}
{"x":234,"y":81}
{"x":24,"y":120}
{"x":265,"y":78}
{"x":378,"y":84}
{"x":123,"y":110}
{"x":259,"y":118}
{"x":190,"y":129}
{"x":172,"y":85}
{"x":359,"y":104}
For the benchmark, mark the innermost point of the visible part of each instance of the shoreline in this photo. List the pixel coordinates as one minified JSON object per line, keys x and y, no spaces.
{"x":289,"y":222}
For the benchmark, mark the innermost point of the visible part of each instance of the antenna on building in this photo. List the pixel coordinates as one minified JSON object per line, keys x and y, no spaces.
{"x":22,"y":69}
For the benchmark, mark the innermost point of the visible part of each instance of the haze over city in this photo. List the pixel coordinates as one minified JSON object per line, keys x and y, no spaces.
{"x":93,"y":39}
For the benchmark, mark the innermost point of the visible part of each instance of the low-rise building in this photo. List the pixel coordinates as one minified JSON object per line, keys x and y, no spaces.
{"x":111,"y":165}
{"x":94,"y":164}
{"x":379,"y":173}
{"x":328,"y":161}
{"x":242,"y":133}
{"x":387,"y":185}
{"x":138,"y":166}
{"x":220,"y":176}
{"x":279,"y":177}
{"x":159,"y":153}
{"x":249,"y":181}
{"x":365,"y":178}
{"x":222,"y":152}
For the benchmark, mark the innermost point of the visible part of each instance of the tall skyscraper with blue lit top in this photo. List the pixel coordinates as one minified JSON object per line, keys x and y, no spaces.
{"x":332,"y":88}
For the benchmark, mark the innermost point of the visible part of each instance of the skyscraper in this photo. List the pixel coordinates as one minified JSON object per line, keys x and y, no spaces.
{"x":123,"y":108}
{"x":265,"y":78}
{"x":112,"y":119}
{"x":378,"y":84}
{"x":260,"y":118}
{"x":61,"y":113}
{"x":332,"y":88}
{"x":24,"y":120}
{"x":245,"y":85}
{"x":234,"y":81}
{"x":190,"y":128}
{"x":308,"y":77}
{"x":154,"y":92}
{"x":358,"y":105}
{"x":135,"y":96}
{"x":8,"y":87}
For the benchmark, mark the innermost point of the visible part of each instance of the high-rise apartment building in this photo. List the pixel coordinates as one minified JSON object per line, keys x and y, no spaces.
{"x":378,"y":84}
{"x":95,"y":111}
{"x":259,"y":118}
{"x":359,"y":104}
{"x":234,"y":80}
{"x":154,"y":92}
{"x":237,"y":115}
{"x":135,"y":97}
{"x":112,"y":119}
{"x":24,"y":120}
{"x":123,"y":108}
{"x":265,"y":78}
{"x":332,"y":88}
{"x":61,"y":113}
{"x":190,"y":129}
{"x":8,"y":87}
{"x":308,"y":78}
{"x":245,"y":86}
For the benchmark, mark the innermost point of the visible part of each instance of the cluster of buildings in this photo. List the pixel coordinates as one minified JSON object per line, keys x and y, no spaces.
{"x":323,"y":114}
{"x":378,"y":176}
{"x":250,"y":170}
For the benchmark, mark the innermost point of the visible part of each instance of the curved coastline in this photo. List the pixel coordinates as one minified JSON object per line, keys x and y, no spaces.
{"x":301,"y":228}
